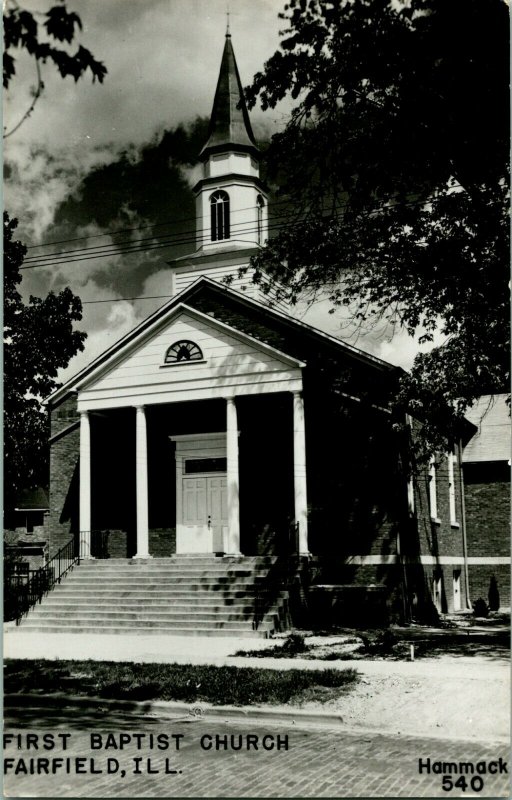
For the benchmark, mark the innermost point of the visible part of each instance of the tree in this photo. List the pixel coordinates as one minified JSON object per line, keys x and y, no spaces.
{"x":22,"y":31}
{"x":394,"y":166}
{"x":38,"y":341}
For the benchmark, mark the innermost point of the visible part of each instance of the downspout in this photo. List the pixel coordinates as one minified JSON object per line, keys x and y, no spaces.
{"x":410,"y":516}
{"x":464,"y":533}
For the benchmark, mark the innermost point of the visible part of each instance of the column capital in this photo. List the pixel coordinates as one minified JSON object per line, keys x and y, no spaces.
{"x":140,"y":407}
{"x":84,"y":414}
{"x":297,"y":392}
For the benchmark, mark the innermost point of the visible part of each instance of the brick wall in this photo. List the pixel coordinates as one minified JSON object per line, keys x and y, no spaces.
{"x":64,"y":478}
{"x":480,"y":579}
{"x":442,"y":537}
{"x":162,"y":542}
{"x":487,"y":499}
{"x":117,"y":545}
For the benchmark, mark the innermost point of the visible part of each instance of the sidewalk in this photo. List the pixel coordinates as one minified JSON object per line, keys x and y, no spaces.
{"x":459,"y":698}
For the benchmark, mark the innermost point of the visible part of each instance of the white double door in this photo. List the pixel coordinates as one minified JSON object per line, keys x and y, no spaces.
{"x":205,"y":514}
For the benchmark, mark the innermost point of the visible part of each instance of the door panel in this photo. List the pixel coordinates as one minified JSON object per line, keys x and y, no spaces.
{"x":204,"y":522}
{"x":217,"y":510}
{"x":194,"y":501}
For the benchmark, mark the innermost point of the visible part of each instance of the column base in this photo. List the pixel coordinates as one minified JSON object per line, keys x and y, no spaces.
{"x":141,"y":557}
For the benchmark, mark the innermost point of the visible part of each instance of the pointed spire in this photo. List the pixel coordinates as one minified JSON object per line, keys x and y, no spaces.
{"x":230,"y":127}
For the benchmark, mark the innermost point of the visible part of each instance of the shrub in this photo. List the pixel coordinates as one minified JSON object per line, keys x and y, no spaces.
{"x":480,"y":608}
{"x":380,"y":645}
{"x":294,"y":644}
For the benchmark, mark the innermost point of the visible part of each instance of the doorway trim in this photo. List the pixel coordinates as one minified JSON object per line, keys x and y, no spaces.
{"x":196,"y":446}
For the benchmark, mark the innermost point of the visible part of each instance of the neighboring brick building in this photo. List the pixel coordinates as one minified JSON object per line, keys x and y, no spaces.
{"x":26,"y":533}
{"x":486,"y":468}
{"x":223,"y":425}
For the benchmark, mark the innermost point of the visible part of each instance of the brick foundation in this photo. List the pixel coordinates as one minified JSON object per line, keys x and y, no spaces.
{"x":162,"y":542}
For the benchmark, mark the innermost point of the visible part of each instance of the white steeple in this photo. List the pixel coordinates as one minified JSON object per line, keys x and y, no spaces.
{"x":231,"y":201}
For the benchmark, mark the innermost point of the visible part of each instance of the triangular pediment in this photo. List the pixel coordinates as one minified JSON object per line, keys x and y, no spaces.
{"x":186,"y":354}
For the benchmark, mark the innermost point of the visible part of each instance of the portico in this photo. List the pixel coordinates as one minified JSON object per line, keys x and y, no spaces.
{"x":189,"y":356}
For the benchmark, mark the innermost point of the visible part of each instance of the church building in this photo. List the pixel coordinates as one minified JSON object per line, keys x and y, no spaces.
{"x":227,"y":468}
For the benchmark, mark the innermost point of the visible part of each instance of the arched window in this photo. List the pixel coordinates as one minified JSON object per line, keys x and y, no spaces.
{"x":183,"y":351}
{"x":219,"y":206}
{"x":260,"y":204}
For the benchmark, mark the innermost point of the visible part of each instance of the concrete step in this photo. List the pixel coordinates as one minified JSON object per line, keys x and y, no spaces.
{"x":169,"y":564}
{"x":245,"y":633}
{"x":142,"y":614}
{"x":162,"y":579}
{"x":127,"y":620}
{"x":180,"y":559}
{"x":184,"y":590}
{"x":179,"y":596}
{"x":57,"y":606}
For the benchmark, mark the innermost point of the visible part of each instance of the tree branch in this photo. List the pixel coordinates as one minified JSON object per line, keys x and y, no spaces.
{"x":37,"y":95}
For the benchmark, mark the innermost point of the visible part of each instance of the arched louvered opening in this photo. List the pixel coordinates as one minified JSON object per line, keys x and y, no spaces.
{"x":219,"y":206}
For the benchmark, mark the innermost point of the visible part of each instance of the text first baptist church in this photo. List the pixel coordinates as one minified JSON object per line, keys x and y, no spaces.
{"x":224,"y":466}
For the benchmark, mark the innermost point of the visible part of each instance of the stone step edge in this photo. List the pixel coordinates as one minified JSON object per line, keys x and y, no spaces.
{"x":210,"y":633}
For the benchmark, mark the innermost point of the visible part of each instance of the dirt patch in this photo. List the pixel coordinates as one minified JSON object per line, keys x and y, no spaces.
{"x":441,"y":706}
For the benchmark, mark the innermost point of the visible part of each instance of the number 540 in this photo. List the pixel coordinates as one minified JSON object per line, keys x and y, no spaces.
{"x":476,"y":783}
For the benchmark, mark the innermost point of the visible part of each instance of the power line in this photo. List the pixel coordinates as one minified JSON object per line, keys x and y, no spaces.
{"x":128,"y":299}
{"x":138,"y":249}
{"x":131,"y":230}
{"x":130,"y":242}
{"x":134,"y":247}
{"x":151,"y":226}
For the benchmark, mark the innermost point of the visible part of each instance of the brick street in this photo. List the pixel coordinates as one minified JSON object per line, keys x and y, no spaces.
{"x":319,"y":762}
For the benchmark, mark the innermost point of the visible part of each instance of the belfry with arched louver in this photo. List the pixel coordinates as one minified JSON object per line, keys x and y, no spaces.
{"x":219,"y":215}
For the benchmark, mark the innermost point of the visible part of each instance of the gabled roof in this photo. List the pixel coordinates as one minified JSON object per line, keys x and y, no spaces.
{"x":230,"y":127}
{"x":492,"y":440}
{"x":224,"y":294}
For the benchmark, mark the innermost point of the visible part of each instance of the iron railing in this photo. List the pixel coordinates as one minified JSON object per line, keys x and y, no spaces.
{"x":23,"y":589}
{"x":274,"y":591}
{"x":94,"y":543}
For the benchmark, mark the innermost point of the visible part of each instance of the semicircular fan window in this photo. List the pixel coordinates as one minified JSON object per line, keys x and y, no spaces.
{"x":183,"y":351}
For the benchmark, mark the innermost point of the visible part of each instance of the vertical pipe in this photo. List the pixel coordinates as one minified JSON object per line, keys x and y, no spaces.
{"x":463,"y":524}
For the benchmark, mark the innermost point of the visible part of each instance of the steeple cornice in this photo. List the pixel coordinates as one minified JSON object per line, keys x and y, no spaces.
{"x":230,"y":127}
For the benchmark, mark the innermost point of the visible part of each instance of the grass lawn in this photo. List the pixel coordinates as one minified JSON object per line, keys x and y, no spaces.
{"x":189,"y":683}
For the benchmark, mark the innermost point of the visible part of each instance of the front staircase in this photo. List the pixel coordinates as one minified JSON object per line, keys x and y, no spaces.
{"x":178,"y":596}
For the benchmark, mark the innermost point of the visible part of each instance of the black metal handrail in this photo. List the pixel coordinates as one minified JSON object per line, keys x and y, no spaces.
{"x":24,"y":590}
{"x":279,"y":578}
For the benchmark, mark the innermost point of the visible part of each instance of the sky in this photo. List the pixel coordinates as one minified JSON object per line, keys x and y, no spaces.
{"x":94,"y":159}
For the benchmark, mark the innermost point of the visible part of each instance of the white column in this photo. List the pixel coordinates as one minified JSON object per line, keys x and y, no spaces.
{"x":141,"y":483}
{"x":299,"y":472}
{"x":85,"y":486}
{"x":233,"y":538}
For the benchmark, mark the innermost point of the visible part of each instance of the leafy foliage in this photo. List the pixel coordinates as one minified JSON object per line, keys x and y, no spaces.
{"x":394,"y":163}
{"x":38,"y":341}
{"x":22,"y":31}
